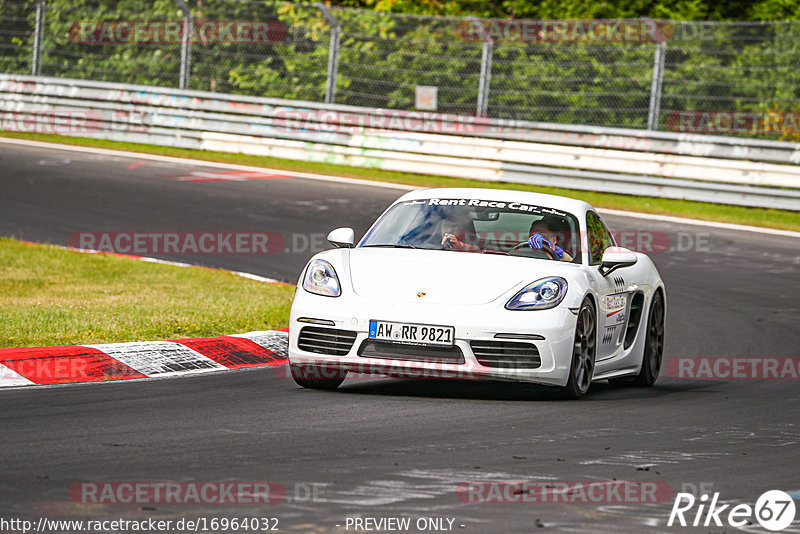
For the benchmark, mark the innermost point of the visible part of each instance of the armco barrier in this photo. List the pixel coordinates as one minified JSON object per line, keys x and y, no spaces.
{"x":695,"y":167}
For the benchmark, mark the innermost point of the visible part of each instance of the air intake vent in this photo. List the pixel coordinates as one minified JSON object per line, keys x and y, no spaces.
{"x":326,"y":340}
{"x":634,"y":316}
{"x":414,"y":353}
{"x":506,"y":354}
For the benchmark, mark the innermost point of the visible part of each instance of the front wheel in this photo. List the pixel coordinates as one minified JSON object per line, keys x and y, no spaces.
{"x":583,"y":353}
{"x":316,"y":377}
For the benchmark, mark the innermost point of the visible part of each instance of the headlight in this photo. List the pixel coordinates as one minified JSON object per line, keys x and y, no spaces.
{"x":541,"y":295}
{"x":321,"y":279}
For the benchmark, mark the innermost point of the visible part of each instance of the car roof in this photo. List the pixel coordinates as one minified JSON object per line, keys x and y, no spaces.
{"x":570,"y":205}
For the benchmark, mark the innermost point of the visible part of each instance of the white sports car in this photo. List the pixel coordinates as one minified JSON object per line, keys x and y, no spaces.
{"x":480,"y":283}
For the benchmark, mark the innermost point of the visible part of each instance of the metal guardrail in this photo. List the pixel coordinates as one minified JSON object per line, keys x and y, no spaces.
{"x":705,"y":168}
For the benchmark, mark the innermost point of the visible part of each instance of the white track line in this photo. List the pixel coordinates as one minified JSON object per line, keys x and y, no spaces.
{"x":199,"y":162}
{"x":387,"y":185}
{"x":699,"y":222}
{"x":147,"y":259}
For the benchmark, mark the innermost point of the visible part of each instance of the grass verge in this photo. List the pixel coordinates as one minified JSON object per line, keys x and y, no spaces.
{"x":52,"y":296}
{"x":770,"y":218}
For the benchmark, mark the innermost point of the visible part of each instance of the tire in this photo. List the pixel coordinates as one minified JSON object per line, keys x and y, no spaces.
{"x":653,"y":345}
{"x":314,"y":377}
{"x":584,"y":350}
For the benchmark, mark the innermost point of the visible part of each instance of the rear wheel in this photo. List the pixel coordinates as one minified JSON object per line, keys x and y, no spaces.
{"x":316,"y":377}
{"x":583,"y":353}
{"x":654,"y":344}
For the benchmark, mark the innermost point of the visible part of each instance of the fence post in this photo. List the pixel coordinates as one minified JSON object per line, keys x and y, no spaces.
{"x":655,"y":87}
{"x":36,"y":63}
{"x":333,"y":52}
{"x":486,"y":77}
{"x":186,"y":44}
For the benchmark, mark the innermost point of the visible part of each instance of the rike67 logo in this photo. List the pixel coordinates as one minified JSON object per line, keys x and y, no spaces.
{"x":774,"y":510}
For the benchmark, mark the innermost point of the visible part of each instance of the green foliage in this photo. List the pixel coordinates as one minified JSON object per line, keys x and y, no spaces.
{"x":52,"y":296}
{"x":762,"y":10}
{"x":389,"y":48}
{"x":16,"y":36}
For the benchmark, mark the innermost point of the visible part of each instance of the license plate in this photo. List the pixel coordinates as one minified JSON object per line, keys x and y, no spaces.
{"x":411,"y":333}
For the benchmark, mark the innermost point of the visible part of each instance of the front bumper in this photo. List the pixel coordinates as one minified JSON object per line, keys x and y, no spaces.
{"x":472,"y":323}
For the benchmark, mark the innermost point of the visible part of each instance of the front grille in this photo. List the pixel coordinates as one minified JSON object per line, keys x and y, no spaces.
{"x":506,"y":354}
{"x":415,"y":353}
{"x":326,"y":340}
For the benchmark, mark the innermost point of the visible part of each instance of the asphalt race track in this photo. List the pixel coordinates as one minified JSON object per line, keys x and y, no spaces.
{"x":394,"y":448}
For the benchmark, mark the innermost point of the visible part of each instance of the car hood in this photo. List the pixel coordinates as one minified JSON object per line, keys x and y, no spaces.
{"x":442,"y":277}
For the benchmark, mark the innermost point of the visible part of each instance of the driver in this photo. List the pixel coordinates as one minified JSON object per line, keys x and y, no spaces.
{"x":544,"y":234}
{"x":456,"y":233}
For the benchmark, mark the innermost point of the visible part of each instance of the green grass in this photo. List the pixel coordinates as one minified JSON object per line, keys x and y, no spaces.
{"x":52,"y":296}
{"x":771,"y":218}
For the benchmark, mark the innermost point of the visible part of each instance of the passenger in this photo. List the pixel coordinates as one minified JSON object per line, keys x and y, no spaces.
{"x":457,"y":234}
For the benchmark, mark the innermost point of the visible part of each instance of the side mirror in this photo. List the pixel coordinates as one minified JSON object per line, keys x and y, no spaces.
{"x":615,"y":258}
{"x":342,"y":237}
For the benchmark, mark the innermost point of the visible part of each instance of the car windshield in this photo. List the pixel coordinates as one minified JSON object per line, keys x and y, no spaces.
{"x":474,"y":225}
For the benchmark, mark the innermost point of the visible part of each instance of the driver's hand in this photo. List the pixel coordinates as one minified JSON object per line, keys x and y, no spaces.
{"x":537,"y":241}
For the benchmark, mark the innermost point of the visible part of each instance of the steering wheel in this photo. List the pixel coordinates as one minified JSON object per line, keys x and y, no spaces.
{"x":545,"y":248}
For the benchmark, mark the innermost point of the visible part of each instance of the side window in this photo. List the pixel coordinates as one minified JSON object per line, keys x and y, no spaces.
{"x":599,"y":237}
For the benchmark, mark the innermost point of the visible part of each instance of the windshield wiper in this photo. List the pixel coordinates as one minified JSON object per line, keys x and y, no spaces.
{"x":493,"y":251}
{"x":390,"y":245}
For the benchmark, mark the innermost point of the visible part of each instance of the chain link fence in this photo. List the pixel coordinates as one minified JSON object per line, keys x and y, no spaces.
{"x":718,"y":69}
{"x":17,"y":36}
{"x":85,"y":40}
{"x":289,"y":60}
{"x":384,"y":57}
{"x":737,"y":78}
